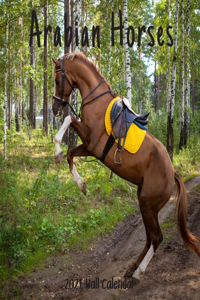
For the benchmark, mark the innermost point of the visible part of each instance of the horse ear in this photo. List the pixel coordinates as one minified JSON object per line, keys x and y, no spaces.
{"x":55,"y":61}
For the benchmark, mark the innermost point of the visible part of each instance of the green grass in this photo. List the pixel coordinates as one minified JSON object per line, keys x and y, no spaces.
{"x":190,"y":176}
{"x":168,"y":227}
{"x":186,"y":161}
{"x":42,"y":209}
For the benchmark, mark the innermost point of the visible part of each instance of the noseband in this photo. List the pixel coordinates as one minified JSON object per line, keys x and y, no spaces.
{"x":63,"y":102}
{"x":64,"y":75}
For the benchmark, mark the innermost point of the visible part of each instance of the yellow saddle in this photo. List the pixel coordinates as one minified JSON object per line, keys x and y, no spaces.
{"x":135,"y":135}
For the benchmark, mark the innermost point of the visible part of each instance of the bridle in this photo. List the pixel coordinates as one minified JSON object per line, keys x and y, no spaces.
{"x":64,"y":75}
{"x":63,"y":102}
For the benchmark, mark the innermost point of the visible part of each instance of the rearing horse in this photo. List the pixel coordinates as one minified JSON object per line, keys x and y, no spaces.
{"x":150,"y":168}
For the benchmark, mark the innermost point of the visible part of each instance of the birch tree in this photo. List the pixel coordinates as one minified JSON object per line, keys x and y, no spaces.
{"x":45,"y":103}
{"x":182,"y":135}
{"x":73,"y":137}
{"x":9,"y":104}
{"x":67,"y":15}
{"x":127,"y":54}
{"x":24,"y":115}
{"x":66,"y":109}
{"x":140,"y":82}
{"x":31,"y":111}
{"x":170,"y":133}
{"x":187,"y":72}
{"x":5,"y":90}
{"x":109,"y":48}
{"x":168,"y":67}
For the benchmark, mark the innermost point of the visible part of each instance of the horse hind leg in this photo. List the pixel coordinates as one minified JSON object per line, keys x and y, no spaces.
{"x":154,"y":238}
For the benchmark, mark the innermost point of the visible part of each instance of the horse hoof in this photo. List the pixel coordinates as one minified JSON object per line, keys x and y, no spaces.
{"x":128,"y":274}
{"x":83,"y":188}
{"x":58,"y":157}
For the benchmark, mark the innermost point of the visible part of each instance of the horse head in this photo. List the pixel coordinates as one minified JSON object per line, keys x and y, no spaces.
{"x":63,"y":86}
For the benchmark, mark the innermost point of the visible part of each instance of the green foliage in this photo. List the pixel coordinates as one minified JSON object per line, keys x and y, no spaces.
{"x":42,"y":209}
{"x":158,"y":126}
{"x":187,"y":160}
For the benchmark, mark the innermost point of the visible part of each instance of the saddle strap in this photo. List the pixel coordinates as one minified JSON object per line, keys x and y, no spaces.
{"x":108,"y":146}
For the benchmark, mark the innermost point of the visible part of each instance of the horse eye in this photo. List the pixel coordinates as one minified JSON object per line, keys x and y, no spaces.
{"x":57,"y":82}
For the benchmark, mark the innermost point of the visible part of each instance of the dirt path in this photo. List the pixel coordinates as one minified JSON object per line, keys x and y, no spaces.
{"x":173,"y":273}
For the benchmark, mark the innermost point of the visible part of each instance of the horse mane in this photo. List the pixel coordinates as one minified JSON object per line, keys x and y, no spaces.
{"x":92,"y":65}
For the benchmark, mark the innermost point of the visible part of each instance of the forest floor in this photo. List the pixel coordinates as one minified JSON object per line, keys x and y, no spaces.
{"x":173,"y":273}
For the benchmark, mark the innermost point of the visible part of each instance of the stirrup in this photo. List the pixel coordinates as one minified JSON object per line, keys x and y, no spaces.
{"x":120,"y":161}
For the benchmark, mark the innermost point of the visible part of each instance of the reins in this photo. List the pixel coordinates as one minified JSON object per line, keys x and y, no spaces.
{"x":63,"y":102}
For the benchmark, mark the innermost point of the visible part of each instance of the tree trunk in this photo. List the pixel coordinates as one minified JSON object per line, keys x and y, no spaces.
{"x":140,"y":84}
{"x":109,"y":49}
{"x":193,"y":100}
{"x":170,"y":132}
{"x":31,"y":112}
{"x":158,"y":93}
{"x":26,"y":120}
{"x":72,"y":25}
{"x":17,"y":104}
{"x":9,"y":105}
{"x":187,"y":72}
{"x":17,"y":115}
{"x":52,"y":84}
{"x":127,"y":54}
{"x":45,"y":103}
{"x":24,"y":115}
{"x":168,"y":68}
{"x":155,"y":90}
{"x":182,"y":134}
{"x":5,"y":91}
{"x":73,"y":137}
{"x":77,"y":22}
{"x":66,"y":110}
{"x":67,"y":15}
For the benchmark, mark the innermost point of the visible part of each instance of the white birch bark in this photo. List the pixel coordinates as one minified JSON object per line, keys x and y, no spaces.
{"x":187,"y":71}
{"x":52,"y":81}
{"x":109,"y":49}
{"x":174,"y":62}
{"x":170,"y":134}
{"x":168,"y":67}
{"x":73,"y":137}
{"x":77,"y":21}
{"x":5,"y":92}
{"x":182,"y":76}
{"x":127,"y":54}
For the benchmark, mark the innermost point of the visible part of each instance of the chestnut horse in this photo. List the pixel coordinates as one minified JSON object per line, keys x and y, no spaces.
{"x":150,"y":168}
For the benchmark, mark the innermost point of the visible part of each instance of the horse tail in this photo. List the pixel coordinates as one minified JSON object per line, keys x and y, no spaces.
{"x":189,"y":239}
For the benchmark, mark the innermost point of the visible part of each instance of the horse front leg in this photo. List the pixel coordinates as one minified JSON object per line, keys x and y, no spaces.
{"x":77,"y":151}
{"x":82,"y":131}
{"x":58,"y":138}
